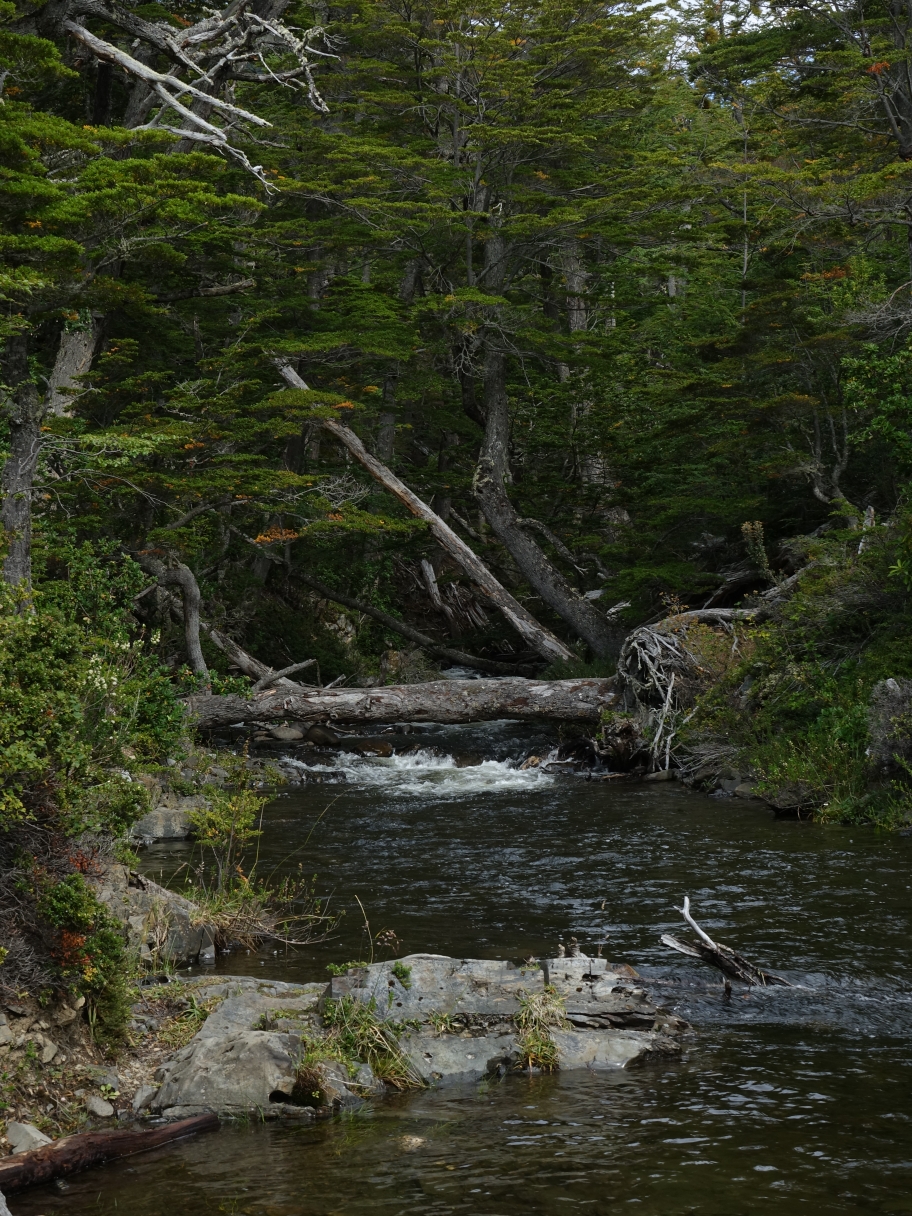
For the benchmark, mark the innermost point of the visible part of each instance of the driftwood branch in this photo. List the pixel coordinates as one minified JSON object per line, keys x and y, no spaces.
{"x":74,"y":1153}
{"x":275,"y":676}
{"x":181,"y":576}
{"x":543,"y":641}
{"x":728,"y":961}
{"x":445,"y":701}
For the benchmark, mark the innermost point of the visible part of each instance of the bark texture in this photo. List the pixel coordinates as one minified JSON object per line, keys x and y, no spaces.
{"x":25,"y":412}
{"x":74,"y":1153}
{"x":74,"y":358}
{"x":446,"y":701}
{"x":582,"y":617}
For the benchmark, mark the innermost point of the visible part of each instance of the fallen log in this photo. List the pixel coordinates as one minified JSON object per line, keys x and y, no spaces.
{"x":728,"y":961}
{"x":445,"y":701}
{"x":86,"y":1149}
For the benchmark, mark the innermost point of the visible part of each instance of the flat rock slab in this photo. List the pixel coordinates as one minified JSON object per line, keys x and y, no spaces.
{"x":441,"y":1059}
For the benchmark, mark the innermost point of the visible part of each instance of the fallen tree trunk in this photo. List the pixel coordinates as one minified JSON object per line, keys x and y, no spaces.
{"x":446,"y":701}
{"x":541,"y":639}
{"x":74,"y":1153}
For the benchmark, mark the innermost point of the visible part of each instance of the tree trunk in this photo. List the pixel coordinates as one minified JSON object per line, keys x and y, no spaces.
{"x":582,"y":617}
{"x":543,"y":641}
{"x":74,"y":358}
{"x":25,"y":411}
{"x":182,"y":576}
{"x":73,"y":1153}
{"x":446,"y":701}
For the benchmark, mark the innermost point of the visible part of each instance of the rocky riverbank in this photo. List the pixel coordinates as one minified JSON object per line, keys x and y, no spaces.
{"x":236,"y":1046}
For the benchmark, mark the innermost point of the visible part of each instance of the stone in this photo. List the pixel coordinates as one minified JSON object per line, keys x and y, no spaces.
{"x":890,"y":726}
{"x":99,"y":1107}
{"x":6,"y":1035}
{"x":246,"y":1055}
{"x":163,"y":823}
{"x":663,"y":774}
{"x":325,"y":736}
{"x":442,"y":1059}
{"x":370,"y":747}
{"x":25,"y":1136}
{"x":104,"y":1078}
{"x":607,"y":1049}
{"x":169,"y":925}
{"x":4,"y":1210}
{"x":64,"y":1015}
{"x":48,"y":1051}
{"x":207,"y":954}
{"x":142,"y":1099}
{"x":744,"y":790}
{"x":286,"y":734}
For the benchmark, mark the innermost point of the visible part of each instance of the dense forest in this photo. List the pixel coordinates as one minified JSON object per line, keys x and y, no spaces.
{"x":393,"y":336}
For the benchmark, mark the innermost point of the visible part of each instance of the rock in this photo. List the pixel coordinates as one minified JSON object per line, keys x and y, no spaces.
{"x":48,"y":1051}
{"x":161,"y":924}
{"x":25,"y":1136}
{"x":890,"y":726}
{"x":530,"y":762}
{"x":164,"y":823}
{"x":608,"y":1048}
{"x":744,"y":790}
{"x":99,"y":1107}
{"x":245,"y":1057}
{"x":663,"y":774}
{"x":104,"y":1078}
{"x":64,"y":1015}
{"x":207,"y":955}
{"x":440,"y":1059}
{"x":286,"y":734}
{"x":441,"y":984}
{"x":6,"y":1035}
{"x":4,"y":1210}
{"x":142,"y":1099}
{"x":322,"y":735}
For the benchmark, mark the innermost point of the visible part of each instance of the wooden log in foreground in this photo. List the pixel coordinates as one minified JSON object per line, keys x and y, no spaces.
{"x":78,"y":1152}
{"x":445,"y":701}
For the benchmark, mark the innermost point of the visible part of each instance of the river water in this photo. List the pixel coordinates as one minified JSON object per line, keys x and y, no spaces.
{"x":785,"y":1100}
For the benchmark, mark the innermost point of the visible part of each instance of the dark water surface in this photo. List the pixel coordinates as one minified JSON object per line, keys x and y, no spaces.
{"x":785,"y":1100}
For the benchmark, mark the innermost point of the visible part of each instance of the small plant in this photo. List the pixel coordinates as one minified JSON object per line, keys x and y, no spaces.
{"x":403,"y":973}
{"x":180,"y":1029}
{"x":443,"y":1023}
{"x":344,"y":968}
{"x":538,"y":1014}
{"x":356,"y":1033}
{"x":109,"y":1093}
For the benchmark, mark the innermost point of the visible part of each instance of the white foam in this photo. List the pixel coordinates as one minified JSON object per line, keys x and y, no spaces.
{"x":423,"y":772}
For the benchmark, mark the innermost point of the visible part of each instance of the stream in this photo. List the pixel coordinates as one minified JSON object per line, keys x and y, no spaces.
{"x":785,"y":1100}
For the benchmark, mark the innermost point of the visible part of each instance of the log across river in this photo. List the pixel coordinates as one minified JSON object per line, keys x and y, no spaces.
{"x":444,"y":701}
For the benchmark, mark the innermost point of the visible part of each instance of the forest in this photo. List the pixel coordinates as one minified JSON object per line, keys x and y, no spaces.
{"x":619,"y":294}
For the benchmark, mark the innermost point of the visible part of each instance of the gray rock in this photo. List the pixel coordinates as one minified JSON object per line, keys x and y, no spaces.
{"x":4,"y":1210}
{"x":744,"y":790}
{"x":98,"y":1107}
{"x":142,"y":1099}
{"x":48,"y":1051}
{"x":105,"y":1078}
{"x":163,"y":823}
{"x":246,"y":1055}
{"x":607,"y":1049}
{"x":447,"y":1058}
{"x":286,"y":734}
{"x":890,"y":726}
{"x":6,"y":1035}
{"x":161,"y":924}
{"x":25,"y":1136}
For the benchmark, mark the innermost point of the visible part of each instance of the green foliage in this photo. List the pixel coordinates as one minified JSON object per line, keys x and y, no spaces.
{"x":89,"y":952}
{"x":356,"y":1033}
{"x":402,"y":972}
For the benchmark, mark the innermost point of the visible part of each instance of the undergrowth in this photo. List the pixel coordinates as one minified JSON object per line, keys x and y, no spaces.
{"x":539,"y":1013}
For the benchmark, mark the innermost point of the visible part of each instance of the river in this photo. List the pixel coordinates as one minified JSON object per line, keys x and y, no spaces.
{"x":785,"y":1100}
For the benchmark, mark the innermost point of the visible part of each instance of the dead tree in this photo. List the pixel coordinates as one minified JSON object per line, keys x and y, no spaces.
{"x":728,"y":961}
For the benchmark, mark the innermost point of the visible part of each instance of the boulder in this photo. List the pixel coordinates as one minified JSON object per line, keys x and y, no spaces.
{"x":286,"y":734}
{"x":162,"y":925}
{"x":163,"y":823}
{"x":890,"y":727}
{"x":25,"y":1136}
{"x":142,"y":1099}
{"x":246,"y":1056}
{"x":440,"y":1059}
{"x":608,"y":1049}
{"x":99,"y":1107}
